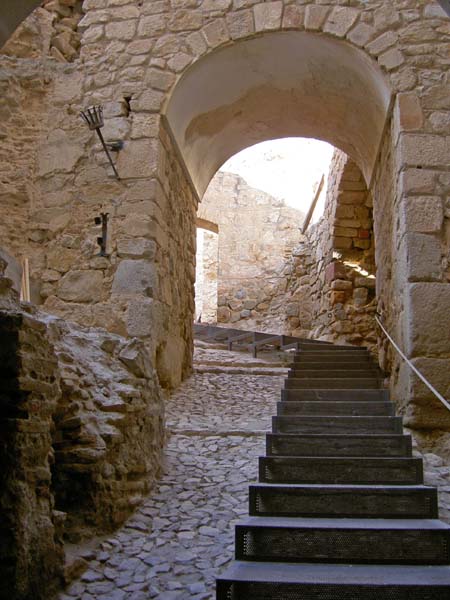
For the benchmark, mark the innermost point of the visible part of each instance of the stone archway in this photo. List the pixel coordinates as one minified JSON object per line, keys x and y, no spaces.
{"x":277,"y":85}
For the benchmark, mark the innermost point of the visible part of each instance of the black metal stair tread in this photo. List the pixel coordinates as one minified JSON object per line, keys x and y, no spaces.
{"x":333,"y":373}
{"x":345,"y":487}
{"x":337,"y":523}
{"x":322,"y":394}
{"x":344,"y":408}
{"x":374,"y":461}
{"x":338,"y":574}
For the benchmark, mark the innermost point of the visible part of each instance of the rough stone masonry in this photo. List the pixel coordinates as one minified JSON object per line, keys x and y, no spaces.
{"x":378,"y":92}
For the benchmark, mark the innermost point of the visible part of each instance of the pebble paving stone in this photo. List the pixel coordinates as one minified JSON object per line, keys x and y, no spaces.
{"x":182,"y":536}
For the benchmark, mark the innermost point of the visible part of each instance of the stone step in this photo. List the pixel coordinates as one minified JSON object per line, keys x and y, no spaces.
{"x":245,"y":580}
{"x":332,"y":424}
{"x":339,"y":470}
{"x":366,"y":373}
{"x":291,"y":444}
{"x":343,"y":501}
{"x":356,"y":541}
{"x":340,"y":383}
{"x":324,"y":395}
{"x":339,"y":408}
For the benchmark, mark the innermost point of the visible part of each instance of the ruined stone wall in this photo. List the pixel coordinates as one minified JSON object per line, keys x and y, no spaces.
{"x":329,"y":297}
{"x":256,"y":235}
{"x":31,"y":554}
{"x":81,"y":417}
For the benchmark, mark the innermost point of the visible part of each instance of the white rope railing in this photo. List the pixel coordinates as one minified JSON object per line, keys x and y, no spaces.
{"x":416,"y":371}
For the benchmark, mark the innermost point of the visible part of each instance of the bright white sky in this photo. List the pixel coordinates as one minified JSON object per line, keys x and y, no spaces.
{"x":288,"y":168}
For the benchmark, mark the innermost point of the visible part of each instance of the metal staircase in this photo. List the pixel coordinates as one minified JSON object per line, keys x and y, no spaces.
{"x":340,"y":511}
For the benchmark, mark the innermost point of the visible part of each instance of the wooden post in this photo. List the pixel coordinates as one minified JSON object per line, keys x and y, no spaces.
{"x":25,"y":295}
{"x":310,"y":212}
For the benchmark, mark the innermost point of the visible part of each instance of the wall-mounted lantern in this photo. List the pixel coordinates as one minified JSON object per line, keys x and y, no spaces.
{"x":93,"y":117}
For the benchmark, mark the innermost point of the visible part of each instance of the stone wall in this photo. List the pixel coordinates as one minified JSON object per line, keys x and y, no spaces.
{"x":330,"y":294}
{"x":31,"y":554}
{"x":81,"y":418}
{"x":256,"y":235}
{"x":206,"y":275}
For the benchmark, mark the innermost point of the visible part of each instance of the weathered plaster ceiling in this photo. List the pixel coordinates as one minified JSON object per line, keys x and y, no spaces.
{"x":12,"y":13}
{"x":278,"y":85}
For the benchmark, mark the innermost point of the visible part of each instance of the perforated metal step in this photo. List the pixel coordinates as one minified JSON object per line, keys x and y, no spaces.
{"x":333,"y":424}
{"x":342,"y":383}
{"x":356,"y":541}
{"x":339,"y":408}
{"x":364,"y":373}
{"x":278,"y":581}
{"x":406,"y":502}
{"x":338,"y":445}
{"x":360,"y":395}
{"x":385,"y":471}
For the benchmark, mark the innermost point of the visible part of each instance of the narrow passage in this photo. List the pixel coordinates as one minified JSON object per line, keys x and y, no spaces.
{"x":178,"y":541}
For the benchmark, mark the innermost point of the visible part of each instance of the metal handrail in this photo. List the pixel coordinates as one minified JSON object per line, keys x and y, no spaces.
{"x":416,"y":371}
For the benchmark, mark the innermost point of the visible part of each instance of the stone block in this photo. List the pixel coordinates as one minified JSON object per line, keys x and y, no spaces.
{"x":423,"y":257}
{"x":361,"y":34}
{"x":121,"y":30}
{"x":425,"y":150}
{"x":148,"y":101}
{"x":343,"y":326}
{"x":391,"y":59}
{"x":427,"y":309}
{"x":360,"y":296}
{"x":185,"y":20}
{"x":292,"y":309}
{"x":133,"y":355}
{"x":294,"y":17}
{"x":138,"y":159}
{"x":268,"y":15}
{"x":60,"y":153}
{"x":341,"y":285}
{"x":342,"y":243}
{"x":144,"y":318}
{"x":362,"y":244}
{"x":136,"y":248}
{"x":223,"y":314}
{"x":408,"y":112}
{"x":81,"y":286}
{"x":341,"y":20}
{"x":152,"y":25}
{"x":315,"y":16}
{"x":424,"y":214}
{"x":216,"y":33}
{"x":135,"y":277}
{"x":335,"y":270}
{"x":418,"y":181}
{"x":383,"y":42}
{"x":345,"y":232}
{"x":367,"y":282}
{"x":61,"y":259}
{"x":337,"y":297}
{"x":241,"y":24}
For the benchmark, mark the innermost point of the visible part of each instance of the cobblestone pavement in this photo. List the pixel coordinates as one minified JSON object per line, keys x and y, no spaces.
{"x":180,"y":539}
